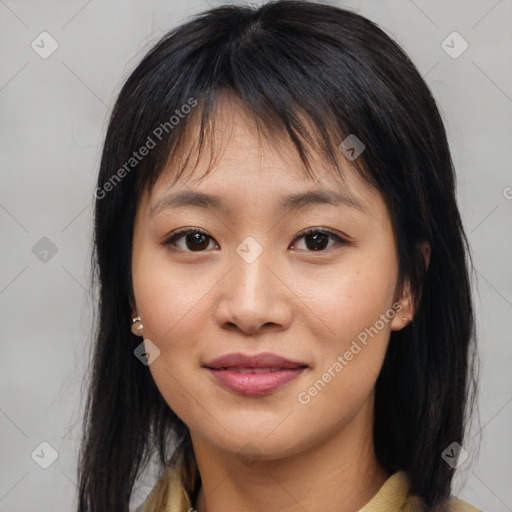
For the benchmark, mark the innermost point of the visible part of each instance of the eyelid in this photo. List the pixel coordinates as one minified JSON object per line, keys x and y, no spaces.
{"x":326,"y":231}
{"x":186,"y":230}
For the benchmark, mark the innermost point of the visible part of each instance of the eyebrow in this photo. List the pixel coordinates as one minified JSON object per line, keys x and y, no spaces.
{"x":296,"y":201}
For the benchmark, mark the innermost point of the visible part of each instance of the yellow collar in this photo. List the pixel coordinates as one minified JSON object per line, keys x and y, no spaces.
{"x":170,"y":495}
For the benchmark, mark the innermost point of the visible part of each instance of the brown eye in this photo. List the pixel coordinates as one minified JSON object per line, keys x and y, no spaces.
{"x":317,"y":239}
{"x":195,"y":240}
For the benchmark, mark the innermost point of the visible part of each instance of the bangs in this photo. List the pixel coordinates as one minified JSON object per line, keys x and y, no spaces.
{"x":199,"y":135}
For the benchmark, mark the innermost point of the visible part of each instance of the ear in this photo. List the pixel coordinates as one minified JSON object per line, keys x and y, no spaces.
{"x":404,"y":309}
{"x":405,"y":313}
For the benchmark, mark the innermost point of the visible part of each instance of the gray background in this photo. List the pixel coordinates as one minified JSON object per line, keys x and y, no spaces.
{"x":53,"y":119}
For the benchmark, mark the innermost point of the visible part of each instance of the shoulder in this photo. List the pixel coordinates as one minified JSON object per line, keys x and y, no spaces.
{"x":398,"y":486}
{"x":414,"y":504}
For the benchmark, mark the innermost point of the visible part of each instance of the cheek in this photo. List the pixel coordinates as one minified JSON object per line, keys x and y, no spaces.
{"x":169,"y":298}
{"x":352,"y":296}
{"x":170,"y":305}
{"x":353,"y":334}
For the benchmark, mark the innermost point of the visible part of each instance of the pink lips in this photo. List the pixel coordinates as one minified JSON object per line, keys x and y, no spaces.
{"x":254,"y":375}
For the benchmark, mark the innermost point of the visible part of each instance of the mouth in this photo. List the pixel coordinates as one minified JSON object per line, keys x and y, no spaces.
{"x":254,"y":375}
{"x":269,"y":369}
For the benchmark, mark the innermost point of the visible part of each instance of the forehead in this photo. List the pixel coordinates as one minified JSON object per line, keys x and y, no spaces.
{"x":239,"y":160}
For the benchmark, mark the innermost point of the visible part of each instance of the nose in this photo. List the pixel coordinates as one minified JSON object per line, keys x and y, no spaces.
{"x":254,"y":296}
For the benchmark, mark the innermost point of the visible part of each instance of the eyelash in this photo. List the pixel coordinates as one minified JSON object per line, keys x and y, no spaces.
{"x":171,"y":240}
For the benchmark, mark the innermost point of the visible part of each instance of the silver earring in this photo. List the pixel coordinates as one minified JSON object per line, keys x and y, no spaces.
{"x":137,"y":329}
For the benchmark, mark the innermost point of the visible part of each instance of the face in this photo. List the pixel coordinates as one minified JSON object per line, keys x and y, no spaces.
{"x":244,"y":278}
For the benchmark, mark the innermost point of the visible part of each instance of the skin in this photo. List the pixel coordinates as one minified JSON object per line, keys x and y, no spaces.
{"x":301,"y":304}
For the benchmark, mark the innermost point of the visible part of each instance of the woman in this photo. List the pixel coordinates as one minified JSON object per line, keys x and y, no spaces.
{"x":276,"y":223}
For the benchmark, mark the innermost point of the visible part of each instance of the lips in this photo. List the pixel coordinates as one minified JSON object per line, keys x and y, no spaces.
{"x":264,"y":360}
{"x":254,"y":375}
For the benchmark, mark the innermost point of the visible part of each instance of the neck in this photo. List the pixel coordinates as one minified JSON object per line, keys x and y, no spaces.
{"x":340,"y":474}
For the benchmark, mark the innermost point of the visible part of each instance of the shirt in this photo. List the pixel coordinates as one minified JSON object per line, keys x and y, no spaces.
{"x":170,"y":495}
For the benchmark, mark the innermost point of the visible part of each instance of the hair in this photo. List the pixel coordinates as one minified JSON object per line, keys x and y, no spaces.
{"x":312,"y":74}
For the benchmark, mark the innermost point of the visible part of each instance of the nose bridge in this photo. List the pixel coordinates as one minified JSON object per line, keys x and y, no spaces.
{"x":250,"y":269}
{"x":252,"y":296}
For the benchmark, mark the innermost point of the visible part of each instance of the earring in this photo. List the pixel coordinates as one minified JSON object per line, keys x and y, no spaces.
{"x":137,"y":329}
{"x":405,"y":320}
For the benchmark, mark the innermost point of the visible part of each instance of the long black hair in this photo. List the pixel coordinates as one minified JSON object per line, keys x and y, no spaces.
{"x":316,"y":74}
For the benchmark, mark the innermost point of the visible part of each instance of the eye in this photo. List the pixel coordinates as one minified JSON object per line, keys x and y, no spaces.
{"x":316,"y":238}
{"x":197,"y":240}
{"x":196,"y":243}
